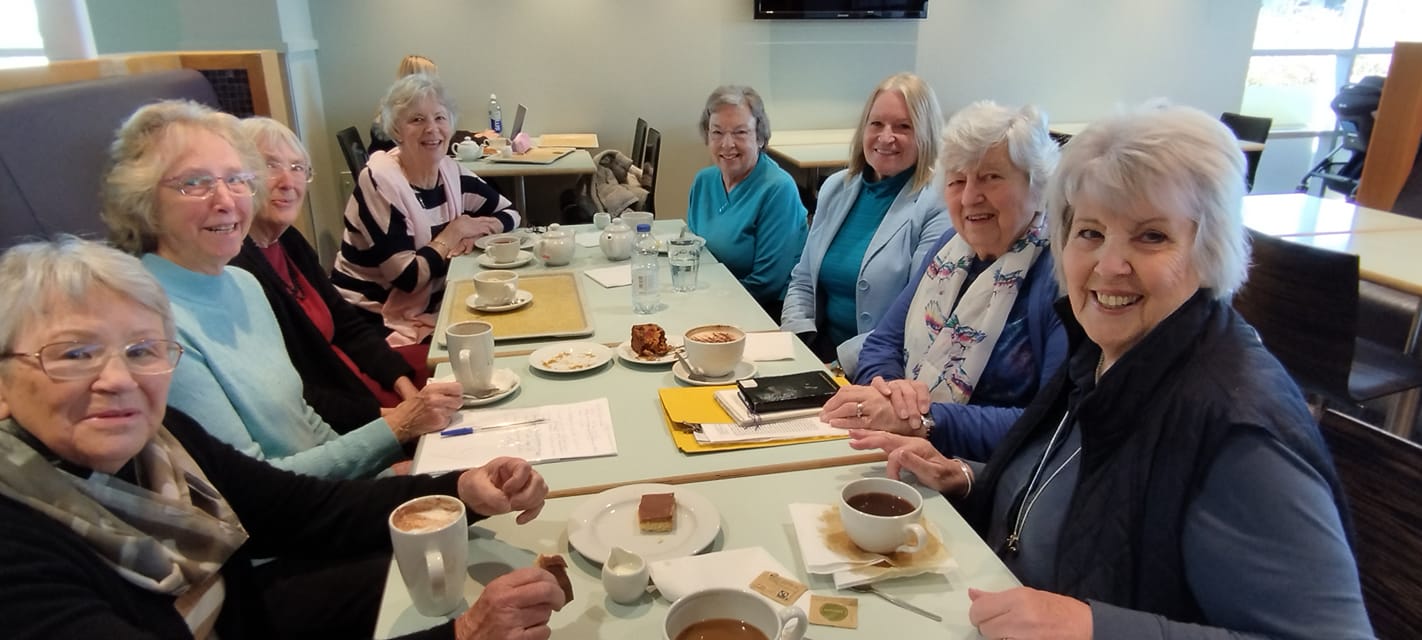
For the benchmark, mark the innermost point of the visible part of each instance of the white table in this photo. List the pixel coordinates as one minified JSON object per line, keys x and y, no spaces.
{"x":1069,"y":129}
{"x":753,"y":513}
{"x":577,"y":162}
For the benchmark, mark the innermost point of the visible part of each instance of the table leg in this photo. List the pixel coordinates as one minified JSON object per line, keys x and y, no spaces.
{"x":519,"y":201}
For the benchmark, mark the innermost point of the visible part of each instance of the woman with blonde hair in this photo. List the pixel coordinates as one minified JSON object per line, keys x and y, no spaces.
{"x":875,"y":221}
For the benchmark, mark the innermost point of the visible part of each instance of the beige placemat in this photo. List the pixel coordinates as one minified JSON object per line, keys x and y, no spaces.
{"x":556,"y":310}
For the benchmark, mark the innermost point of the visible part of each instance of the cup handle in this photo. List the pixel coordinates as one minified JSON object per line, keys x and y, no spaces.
{"x":801,"y":622}
{"x":920,"y":539}
{"x":434,"y":567}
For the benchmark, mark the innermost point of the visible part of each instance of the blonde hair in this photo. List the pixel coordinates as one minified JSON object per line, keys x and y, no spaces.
{"x":925,"y":116}
{"x":413,"y":64}
{"x":145,"y":147}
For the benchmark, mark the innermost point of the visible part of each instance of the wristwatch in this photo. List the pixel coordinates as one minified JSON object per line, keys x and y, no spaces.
{"x":925,"y":425}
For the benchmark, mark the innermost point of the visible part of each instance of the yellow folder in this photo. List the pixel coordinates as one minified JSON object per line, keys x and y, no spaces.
{"x":694,"y":405}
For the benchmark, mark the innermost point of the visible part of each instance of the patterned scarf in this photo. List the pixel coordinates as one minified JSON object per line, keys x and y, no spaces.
{"x":948,"y":348}
{"x":168,"y":534}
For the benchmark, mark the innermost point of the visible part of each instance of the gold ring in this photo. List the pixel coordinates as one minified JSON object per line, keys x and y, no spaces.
{"x":859,"y":410}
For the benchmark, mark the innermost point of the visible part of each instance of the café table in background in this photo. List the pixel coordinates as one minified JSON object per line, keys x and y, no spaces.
{"x":1063,"y":132}
{"x":754,"y":513}
{"x":811,"y":150}
{"x":575,"y":163}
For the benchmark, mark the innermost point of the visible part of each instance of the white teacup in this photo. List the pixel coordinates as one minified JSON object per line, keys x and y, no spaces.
{"x":872,"y":510}
{"x":471,"y":354}
{"x":715,"y":349}
{"x":601,"y":219}
{"x":429,"y":537}
{"x":496,"y":287}
{"x":503,"y":249}
{"x":730,"y":609}
{"x":634,"y":218}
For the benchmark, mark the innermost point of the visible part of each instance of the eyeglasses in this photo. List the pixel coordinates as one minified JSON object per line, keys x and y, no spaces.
{"x":78,"y":360}
{"x":741,"y":135}
{"x":278,"y":168}
{"x":203,"y":186}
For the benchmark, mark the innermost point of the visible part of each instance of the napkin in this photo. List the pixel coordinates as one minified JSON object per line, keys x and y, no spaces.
{"x":733,"y":569}
{"x":587,"y":238}
{"x":773,"y":345}
{"x":618,"y":276}
{"x":826,"y":548}
{"x":522,"y":142}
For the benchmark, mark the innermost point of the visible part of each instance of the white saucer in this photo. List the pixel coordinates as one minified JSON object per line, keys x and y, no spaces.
{"x":743,"y":370}
{"x":505,"y":380}
{"x":624,"y":351}
{"x":520,"y":299}
{"x":570,"y":357}
{"x":487,"y":261}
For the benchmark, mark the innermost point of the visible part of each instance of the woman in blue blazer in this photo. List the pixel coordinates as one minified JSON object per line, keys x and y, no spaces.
{"x":874,"y":223}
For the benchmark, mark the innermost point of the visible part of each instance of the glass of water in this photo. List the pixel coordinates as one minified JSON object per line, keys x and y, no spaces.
{"x":684,"y":254}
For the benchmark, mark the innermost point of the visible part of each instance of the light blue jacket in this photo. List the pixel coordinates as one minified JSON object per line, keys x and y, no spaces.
{"x":911,"y":226}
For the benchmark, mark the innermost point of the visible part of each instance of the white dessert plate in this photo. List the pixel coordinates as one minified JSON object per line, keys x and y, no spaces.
{"x":609,"y":519}
{"x":521,"y":298}
{"x":570,"y":357}
{"x":505,"y":380}
{"x":625,"y":352}
{"x":487,"y":261}
{"x":742,"y":371}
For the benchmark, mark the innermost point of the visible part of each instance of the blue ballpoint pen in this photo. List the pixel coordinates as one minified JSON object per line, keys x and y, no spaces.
{"x":464,"y":431}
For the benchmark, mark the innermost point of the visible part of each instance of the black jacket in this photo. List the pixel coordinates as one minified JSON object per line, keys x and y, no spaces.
{"x":52,"y":584}
{"x":329,"y":386}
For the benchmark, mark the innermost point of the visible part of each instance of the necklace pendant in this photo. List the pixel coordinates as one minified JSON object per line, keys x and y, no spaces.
{"x":1012,"y":544}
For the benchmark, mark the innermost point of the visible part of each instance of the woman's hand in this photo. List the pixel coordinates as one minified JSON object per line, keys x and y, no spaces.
{"x":405,"y":388}
{"x":514,"y":606}
{"x":909,"y":398}
{"x":459,"y":235}
{"x":428,"y":411}
{"x":917,"y":456}
{"x":504,"y":485}
{"x":1022,"y":613}
{"x":860,"y":407}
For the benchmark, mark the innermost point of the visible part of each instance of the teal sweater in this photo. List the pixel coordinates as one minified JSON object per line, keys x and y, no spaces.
{"x":757,"y":230}
{"x":236,"y":380}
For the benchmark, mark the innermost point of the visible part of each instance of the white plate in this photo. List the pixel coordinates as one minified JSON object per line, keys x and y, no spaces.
{"x":528,"y":240}
{"x":742,"y":371}
{"x":609,"y":519}
{"x":570,"y":357}
{"x":505,"y":380}
{"x":625,"y":352}
{"x":521,"y":298}
{"x":487,"y":261}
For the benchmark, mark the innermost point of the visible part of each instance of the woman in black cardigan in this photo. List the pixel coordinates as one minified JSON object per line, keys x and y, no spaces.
{"x":349,"y":371}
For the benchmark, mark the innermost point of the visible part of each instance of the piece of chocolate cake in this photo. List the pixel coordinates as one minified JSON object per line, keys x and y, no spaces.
{"x":656,"y":513}
{"x":557,"y":566}
{"x":649,"y":341}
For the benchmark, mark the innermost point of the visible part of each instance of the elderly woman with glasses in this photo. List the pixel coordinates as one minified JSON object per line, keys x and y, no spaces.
{"x":179,"y":192}
{"x":745,"y":206}
{"x":125,"y":519}
{"x":966,"y":346}
{"x":348,"y":371}
{"x":874,"y":223}
{"x":413,"y":210}
{"x":1169,"y":480}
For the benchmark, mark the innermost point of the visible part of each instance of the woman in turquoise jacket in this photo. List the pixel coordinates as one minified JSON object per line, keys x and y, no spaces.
{"x":874,"y":223}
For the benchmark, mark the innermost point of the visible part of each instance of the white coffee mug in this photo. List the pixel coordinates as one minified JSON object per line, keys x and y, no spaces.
{"x":503,"y":249}
{"x":430,"y":540}
{"x":495,"y":287}
{"x":883,"y":533}
{"x":734,"y":605}
{"x":471,"y":354}
{"x":715,"y":349}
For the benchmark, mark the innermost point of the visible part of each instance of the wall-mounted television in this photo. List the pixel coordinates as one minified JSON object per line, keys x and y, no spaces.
{"x":839,"y":9}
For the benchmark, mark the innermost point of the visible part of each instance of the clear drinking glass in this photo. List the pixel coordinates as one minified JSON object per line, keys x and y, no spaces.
{"x":684,"y":254}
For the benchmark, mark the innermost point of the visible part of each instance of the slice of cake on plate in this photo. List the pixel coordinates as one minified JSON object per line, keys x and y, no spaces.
{"x":656,"y":513}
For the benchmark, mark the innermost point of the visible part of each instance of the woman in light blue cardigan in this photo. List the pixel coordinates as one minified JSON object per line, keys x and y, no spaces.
{"x":179,"y":192}
{"x":874,"y":223}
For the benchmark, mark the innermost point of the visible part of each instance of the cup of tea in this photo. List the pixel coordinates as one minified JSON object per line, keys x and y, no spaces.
{"x":731,"y":614}
{"x":503,"y":249}
{"x":496,"y":287}
{"x":715,"y":349}
{"x":601,"y":219}
{"x":471,"y":354}
{"x":881,"y":515}
{"x":430,"y":540}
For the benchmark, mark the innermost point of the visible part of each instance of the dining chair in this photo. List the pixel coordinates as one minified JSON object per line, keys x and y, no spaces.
{"x":353,"y":149}
{"x":639,"y":142}
{"x":652,"y":153}
{"x":1303,"y":301}
{"x":1381,"y":476}
{"x":1249,"y":129}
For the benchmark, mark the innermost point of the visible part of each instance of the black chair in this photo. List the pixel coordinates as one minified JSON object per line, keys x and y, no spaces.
{"x":353,"y":149}
{"x":639,"y":142}
{"x":1303,"y":301}
{"x":1381,"y":473}
{"x":652,"y":152}
{"x":1249,"y":129}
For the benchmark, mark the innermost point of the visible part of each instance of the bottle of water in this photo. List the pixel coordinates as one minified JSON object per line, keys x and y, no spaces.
{"x":645,"y":297}
{"x":496,"y":115}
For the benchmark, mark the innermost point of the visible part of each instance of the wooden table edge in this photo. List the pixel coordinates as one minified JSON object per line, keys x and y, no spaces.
{"x":704,"y":476}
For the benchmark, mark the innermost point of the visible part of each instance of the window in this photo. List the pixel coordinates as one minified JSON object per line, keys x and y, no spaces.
{"x":20,"y":42}
{"x":1304,"y":50}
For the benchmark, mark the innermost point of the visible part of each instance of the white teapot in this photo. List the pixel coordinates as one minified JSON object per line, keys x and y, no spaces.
{"x":616,"y":240}
{"x":557,"y":246}
{"x":468,"y":149}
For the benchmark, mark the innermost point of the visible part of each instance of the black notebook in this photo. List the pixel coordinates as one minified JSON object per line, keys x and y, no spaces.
{"x":769,"y":394}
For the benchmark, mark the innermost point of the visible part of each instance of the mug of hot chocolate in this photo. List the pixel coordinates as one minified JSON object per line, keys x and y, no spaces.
{"x":714,"y":349}
{"x":882,"y":515}
{"x":430,"y":540}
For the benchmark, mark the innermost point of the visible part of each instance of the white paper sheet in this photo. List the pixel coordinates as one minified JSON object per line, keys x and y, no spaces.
{"x":774,"y":345}
{"x":575,"y":430}
{"x":618,"y":276}
{"x":588,"y":238}
{"x":782,"y":429}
